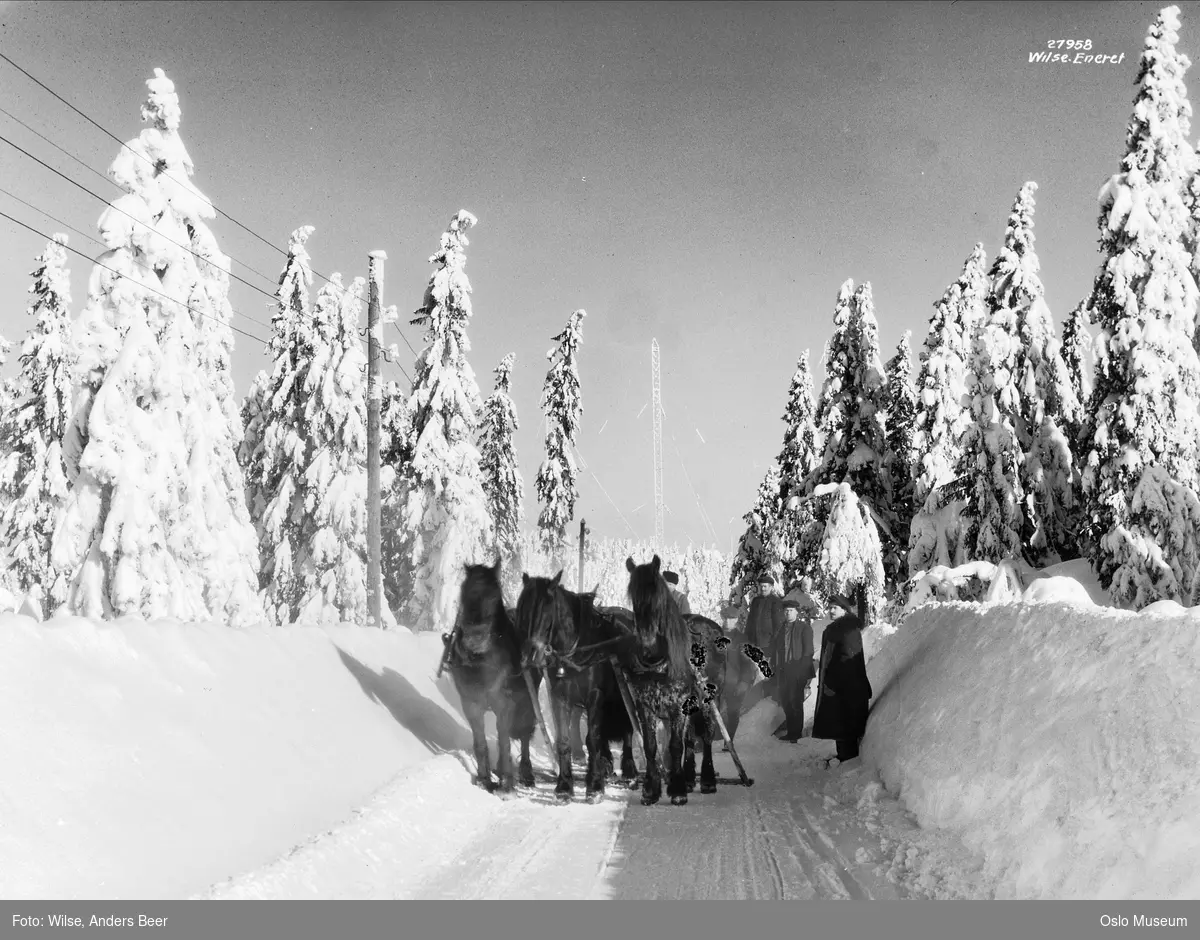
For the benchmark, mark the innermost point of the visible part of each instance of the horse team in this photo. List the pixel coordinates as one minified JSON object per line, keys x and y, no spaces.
{"x":624,"y":669}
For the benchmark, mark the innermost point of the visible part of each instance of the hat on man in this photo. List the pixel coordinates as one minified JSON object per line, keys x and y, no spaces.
{"x":792,"y":603}
{"x":766,"y":578}
{"x":841,"y":600}
{"x":670,"y":577}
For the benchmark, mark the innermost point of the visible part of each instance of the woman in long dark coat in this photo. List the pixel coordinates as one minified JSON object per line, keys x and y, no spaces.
{"x":843,"y":689}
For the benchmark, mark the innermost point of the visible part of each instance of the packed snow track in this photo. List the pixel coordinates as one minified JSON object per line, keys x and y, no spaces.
{"x":802,"y":831}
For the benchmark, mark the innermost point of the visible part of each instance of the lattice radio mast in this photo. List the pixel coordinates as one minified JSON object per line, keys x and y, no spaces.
{"x":656,"y":405}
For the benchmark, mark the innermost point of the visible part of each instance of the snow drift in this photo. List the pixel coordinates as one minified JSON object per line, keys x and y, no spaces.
{"x":1060,"y":739}
{"x":153,"y":759}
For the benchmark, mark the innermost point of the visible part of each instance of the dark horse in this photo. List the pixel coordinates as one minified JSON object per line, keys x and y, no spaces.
{"x":565,"y":635}
{"x":664,"y":665}
{"x":485,"y":660}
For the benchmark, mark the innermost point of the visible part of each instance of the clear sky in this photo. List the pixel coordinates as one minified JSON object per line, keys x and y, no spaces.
{"x":703,"y":173}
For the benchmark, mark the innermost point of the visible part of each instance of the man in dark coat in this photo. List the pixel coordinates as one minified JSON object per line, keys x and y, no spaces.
{"x":795,"y":655}
{"x":843,"y":689}
{"x":681,"y":598}
{"x":764,"y":627}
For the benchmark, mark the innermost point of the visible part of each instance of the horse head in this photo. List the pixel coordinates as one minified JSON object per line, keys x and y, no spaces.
{"x":480,"y":606}
{"x":543,"y":619}
{"x":656,"y":618}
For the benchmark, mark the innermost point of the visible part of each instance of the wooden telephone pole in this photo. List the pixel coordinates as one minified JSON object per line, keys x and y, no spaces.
{"x":374,"y":403}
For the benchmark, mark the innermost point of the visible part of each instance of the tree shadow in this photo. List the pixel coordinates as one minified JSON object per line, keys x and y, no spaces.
{"x":428,"y":722}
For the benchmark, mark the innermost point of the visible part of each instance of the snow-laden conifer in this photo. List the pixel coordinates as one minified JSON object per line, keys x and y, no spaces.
{"x":899,"y":457}
{"x":395,"y":451}
{"x":836,"y":403}
{"x":33,"y":482}
{"x":444,"y":522}
{"x":758,"y":550}
{"x":799,"y":458}
{"x":1142,"y":426}
{"x":156,"y":524}
{"x":850,"y":553}
{"x":563,"y":408}
{"x":501,"y":476}
{"x":941,"y":417}
{"x":275,"y":452}
{"x":331,"y":570}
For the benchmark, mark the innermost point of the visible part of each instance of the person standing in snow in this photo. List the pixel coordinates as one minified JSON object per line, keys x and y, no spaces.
{"x":795,"y":658}
{"x":843,"y":689}
{"x":681,"y":598}
{"x":764,"y":627}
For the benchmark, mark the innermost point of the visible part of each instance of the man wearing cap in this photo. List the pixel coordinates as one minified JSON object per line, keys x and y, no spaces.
{"x":796,"y":668}
{"x":843,"y":689}
{"x":681,"y":598}
{"x":764,"y":628}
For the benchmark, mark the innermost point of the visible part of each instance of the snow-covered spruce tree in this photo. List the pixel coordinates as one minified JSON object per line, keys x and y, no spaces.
{"x":850,"y":555}
{"x":501,"y":476}
{"x":555,"y":483}
{"x":395,"y":451}
{"x":331,"y":568}
{"x":276,"y":450}
{"x":940,"y":418}
{"x":444,"y":522}
{"x":1141,"y":426}
{"x":854,"y":420}
{"x":939,"y":496}
{"x":1032,"y":390}
{"x":758,"y":549}
{"x":156,"y":524}
{"x":836,"y":404}
{"x":33,"y":481}
{"x":992,"y":452}
{"x":801,"y":455}
{"x":899,"y":457}
{"x":1076,"y":341}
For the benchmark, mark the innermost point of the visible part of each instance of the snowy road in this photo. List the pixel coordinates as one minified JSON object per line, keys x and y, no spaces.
{"x":800,"y":832}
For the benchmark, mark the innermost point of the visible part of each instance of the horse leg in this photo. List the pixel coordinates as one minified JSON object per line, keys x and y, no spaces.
{"x":708,"y":773}
{"x":504,"y":722}
{"x":525,"y":766}
{"x":677,"y":788}
{"x":652,"y":782}
{"x":689,"y":753}
{"x":474,"y":708}
{"x":577,"y":753}
{"x":565,"y":787}
{"x":597,"y":772}
{"x":629,"y":769}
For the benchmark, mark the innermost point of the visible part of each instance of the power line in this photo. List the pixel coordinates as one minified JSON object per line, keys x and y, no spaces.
{"x":188,"y":307}
{"x":168,"y":176}
{"x":60,"y":222}
{"x":86,"y":166}
{"x":127,"y":277}
{"x":111,"y":182}
{"x":145,"y":160}
{"x":105,"y":130}
{"x":604,"y":491}
{"x":111,"y":205}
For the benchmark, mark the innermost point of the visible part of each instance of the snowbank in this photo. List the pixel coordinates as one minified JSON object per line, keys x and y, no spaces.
{"x":1061,"y":740}
{"x":152,"y":760}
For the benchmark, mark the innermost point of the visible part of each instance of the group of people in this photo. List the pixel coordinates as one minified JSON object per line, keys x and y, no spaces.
{"x":782,"y":627}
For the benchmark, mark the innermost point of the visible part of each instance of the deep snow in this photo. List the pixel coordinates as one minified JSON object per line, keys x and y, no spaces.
{"x":1024,"y":749}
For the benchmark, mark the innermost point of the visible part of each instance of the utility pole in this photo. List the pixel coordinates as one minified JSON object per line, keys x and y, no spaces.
{"x":374,"y":403}
{"x":583,"y":534}
{"x":656,"y":405}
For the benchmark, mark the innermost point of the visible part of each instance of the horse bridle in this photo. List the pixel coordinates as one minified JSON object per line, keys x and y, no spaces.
{"x":563,"y":661}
